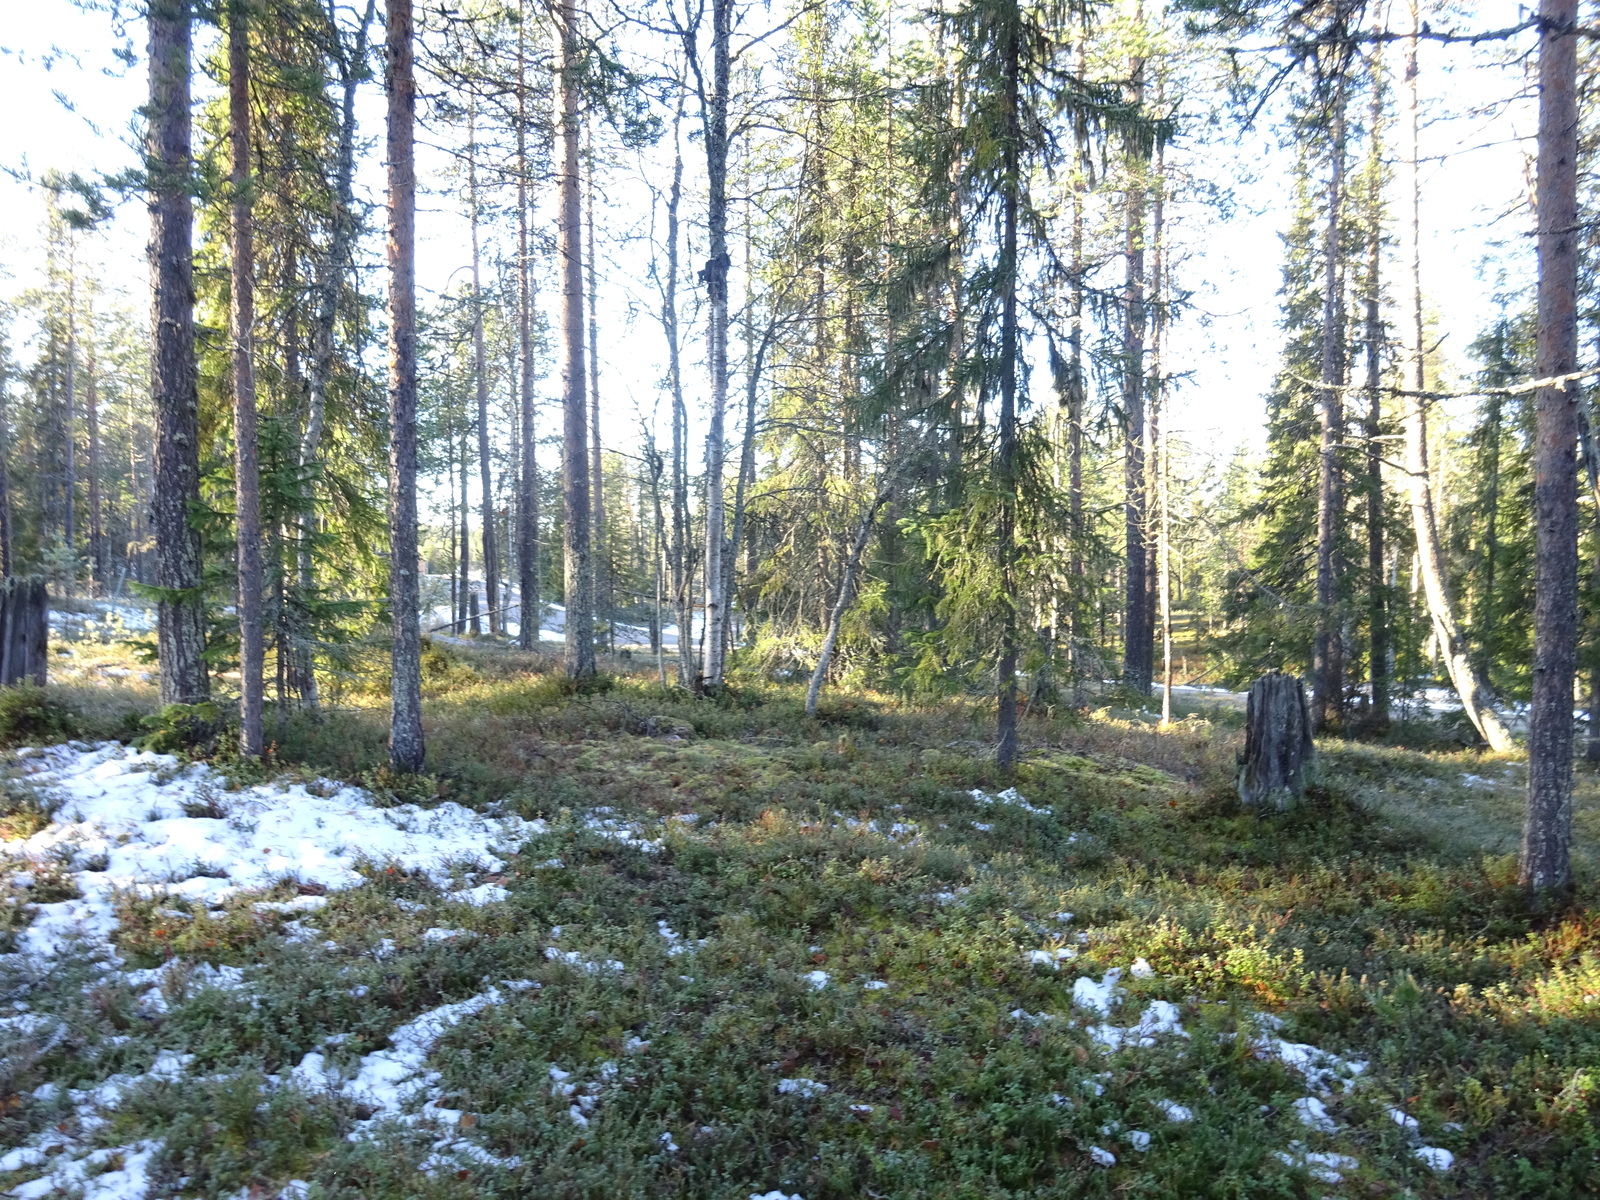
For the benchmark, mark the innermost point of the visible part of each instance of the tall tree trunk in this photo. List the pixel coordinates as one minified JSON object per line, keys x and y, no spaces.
{"x":1076,"y":392}
{"x":246,"y":465}
{"x":91,"y":414}
{"x":1476,"y":698}
{"x":529,"y":614}
{"x":1156,"y":435}
{"x":716,"y":278}
{"x":1137,"y":647}
{"x":330,"y":273}
{"x":576,"y":497}
{"x":1006,"y":448}
{"x":69,"y":419}
{"x":1377,"y":597}
{"x":681,"y":552}
{"x":1327,"y":702}
{"x":1546,"y":866}
{"x":480,"y":364}
{"x":406,"y":749}
{"x":181,"y":618}
{"x":5,"y":469}
{"x":603,"y":599}
{"x":471,"y":620}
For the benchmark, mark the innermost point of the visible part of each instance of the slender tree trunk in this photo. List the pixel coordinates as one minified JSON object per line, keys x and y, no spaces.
{"x":181,"y":619}
{"x":716,"y":278}
{"x":302,"y":673}
{"x":1327,"y":704}
{"x":471,"y":621}
{"x":1157,"y":437}
{"x":841,"y":602}
{"x":1546,"y":866}
{"x":91,"y":414}
{"x":246,"y":465}
{"x":5,"y":469}
{"x":69,"y":417}
{"x":1377,"y":599}
{"x":603,"y":599}
{"x":480,"y":364}
{"x":1137,"y":648}
{"x":406,"y":749}
{"x":682,"y":582}
{"x":1076,"y":391}
{"x":576,"y":498}
{"x":1006,"y":449}
{"x":530,"y":613}
{"x":1476,"y":698}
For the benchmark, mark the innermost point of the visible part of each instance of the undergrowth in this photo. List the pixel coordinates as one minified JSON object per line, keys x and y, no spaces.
{"x":1379,"y":919}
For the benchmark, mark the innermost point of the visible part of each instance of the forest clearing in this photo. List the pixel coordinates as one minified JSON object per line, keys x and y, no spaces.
{"x":799,"y":599}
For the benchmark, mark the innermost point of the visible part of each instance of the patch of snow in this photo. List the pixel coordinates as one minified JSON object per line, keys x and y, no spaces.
{"x":123,"y":813}
{"x":1097,"y":997}
{"x":592,"y":966}
{"x":1139,"y":1140}
{"x":817,"y":979}
{"x":1175,"y":1112}
{"x":1405,"y":1120}
{"x":1052,"y":958}
{"x":1314,"y":1115}
{"x":1141,"y":969}
{"x":1323,"y":1167}
{"x":1436,"y":1157}
{"x":484,"y":893}
{"x":1102,"y":1158}
{"x":806,"y":1089}
{"x":874,"y":985}
{"x":1161,"y":1019}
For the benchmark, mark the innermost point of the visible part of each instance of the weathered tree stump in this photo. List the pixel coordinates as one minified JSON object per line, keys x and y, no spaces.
{"x":1277,"y":741}
{"x":24,"y":630}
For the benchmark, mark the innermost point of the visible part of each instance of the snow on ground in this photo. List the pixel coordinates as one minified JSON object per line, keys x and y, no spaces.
{"x":105,"y":621}
{"x":125,"y":821}
{"x":128,"y":821}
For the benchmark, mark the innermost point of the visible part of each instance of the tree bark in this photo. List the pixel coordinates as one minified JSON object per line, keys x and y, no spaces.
{"x":302,"y":656}
{"x":69,"y":415}
{"x":5,"y":469}
{"x":716,"y":280}
{"x":406,"y":748}
{"x":1327,"y":699}
{"x":247,"y":470}
{"x":1476,"y":698}
{"x":1277,"y":742}
{"x":576,"y":499}
{"x":480,"y":364}
{"x":91,"y":415}
{"x":1006,"y":448}
{"x":181,"y":632}
{"x":603,"y":599}
{"x":1546,"y":864}
{"x":530,"y":612}
{"x":680,"y":553}
{"x":1137,"y":636}
{"x":1377,"y":598}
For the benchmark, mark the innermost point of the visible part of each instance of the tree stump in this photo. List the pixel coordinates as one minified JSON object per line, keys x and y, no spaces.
{"x":1277,"y":741}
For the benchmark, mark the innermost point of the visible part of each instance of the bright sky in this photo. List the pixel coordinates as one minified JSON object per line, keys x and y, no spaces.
{"x":56,"y":54}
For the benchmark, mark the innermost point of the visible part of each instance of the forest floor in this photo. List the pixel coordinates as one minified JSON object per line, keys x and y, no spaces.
{"x":625,"y":943}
